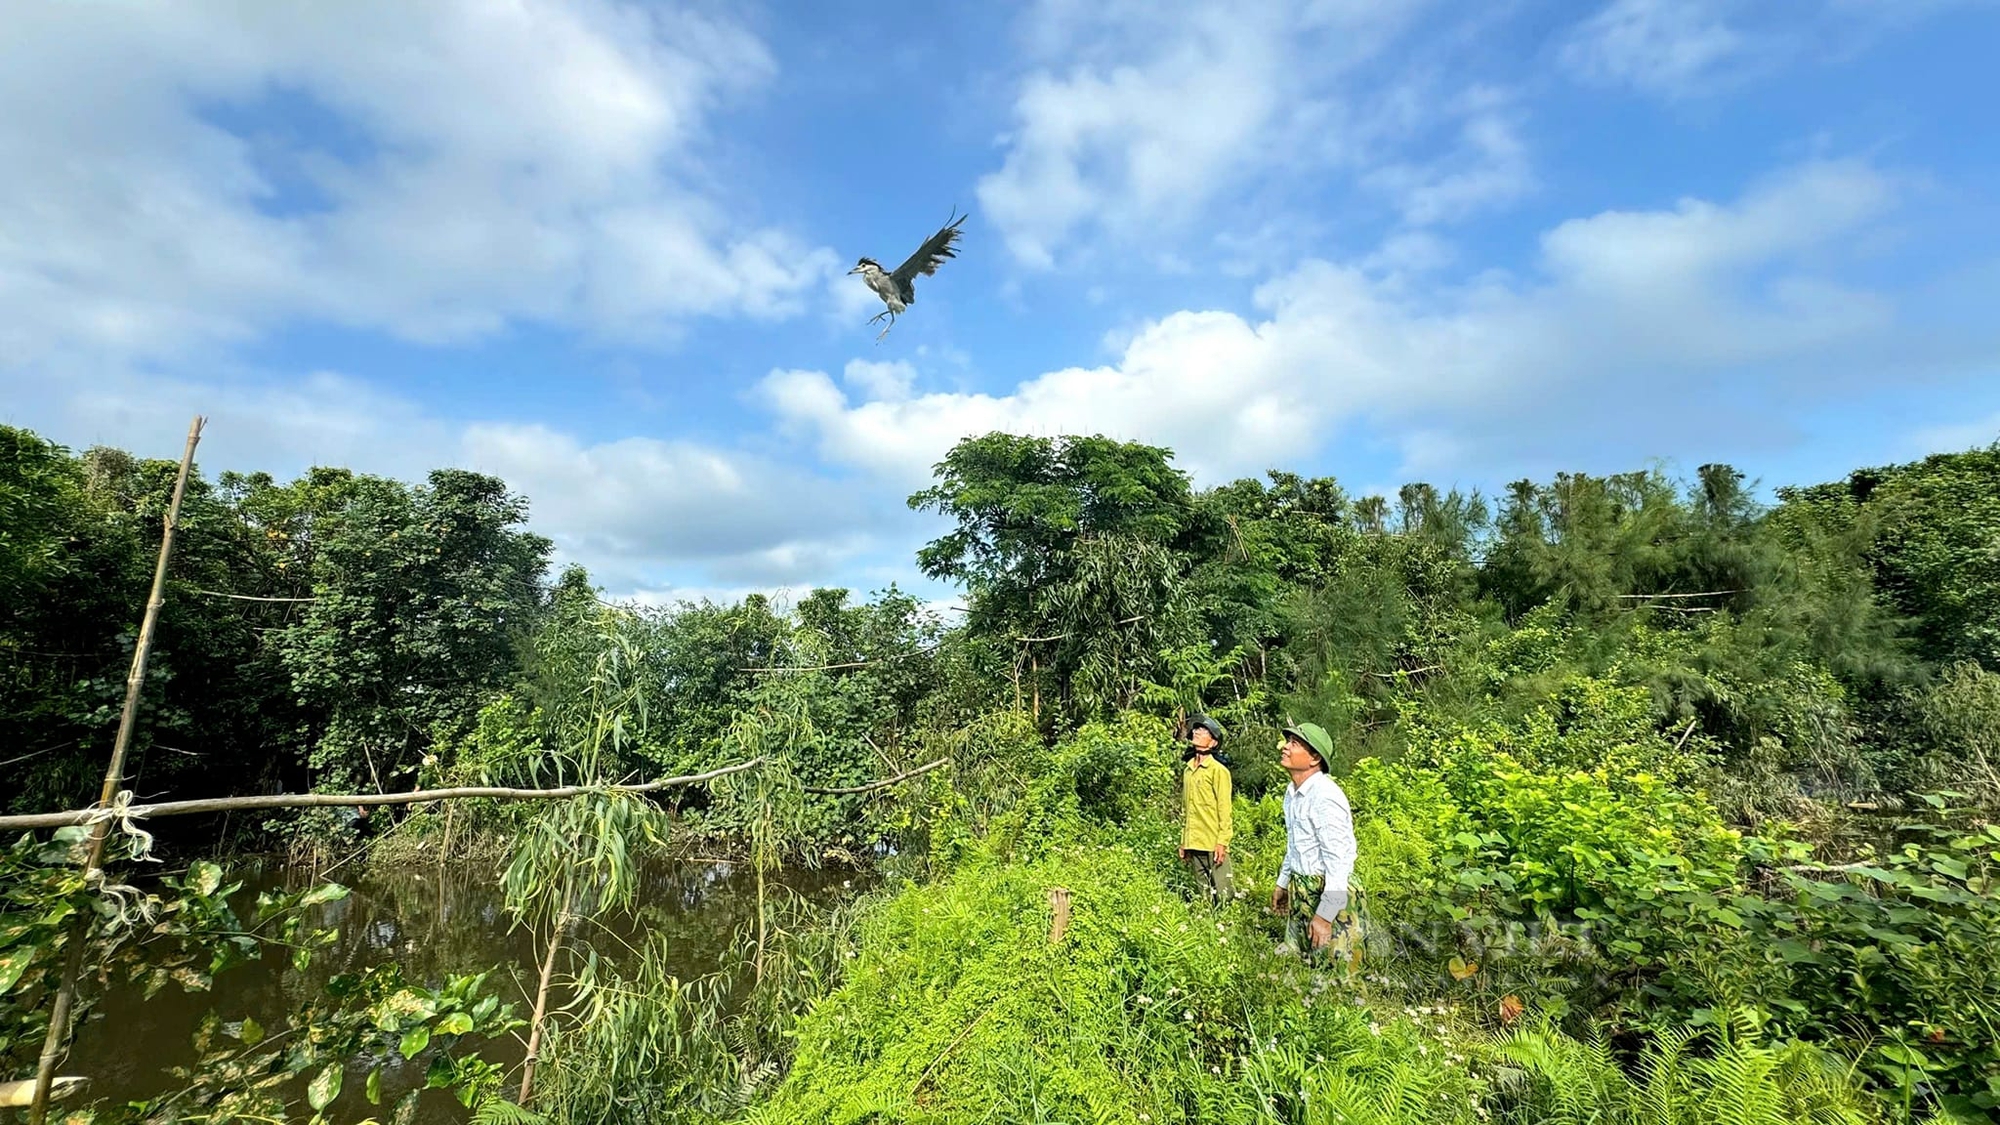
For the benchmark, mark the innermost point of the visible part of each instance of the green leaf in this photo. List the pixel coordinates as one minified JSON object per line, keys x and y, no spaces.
{"x":13,"y":963}
{"x":302,"y":958}
{"x":457,"y":1023}
{"x":204,"y":877}
{"x":252,"y":1033}
{"x":374,"y":1090}
{"x":325,"y":892}
{"x":440,"y":1073}
{"x":415,"y":1040}
{"x":325,"y":1087}
{"x":1908,"y":1056}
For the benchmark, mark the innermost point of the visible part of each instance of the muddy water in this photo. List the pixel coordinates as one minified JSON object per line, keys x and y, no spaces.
{"x":433,"y":922}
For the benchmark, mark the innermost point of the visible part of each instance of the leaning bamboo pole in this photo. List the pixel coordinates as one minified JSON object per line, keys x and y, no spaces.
{"x":114,"y":777}
{"x":563,"y":920}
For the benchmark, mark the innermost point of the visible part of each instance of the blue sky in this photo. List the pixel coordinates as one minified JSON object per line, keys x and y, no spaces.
{"x":600,"y":248}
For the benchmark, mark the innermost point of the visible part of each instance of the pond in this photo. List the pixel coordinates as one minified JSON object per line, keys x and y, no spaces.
{"x":434,"y":922}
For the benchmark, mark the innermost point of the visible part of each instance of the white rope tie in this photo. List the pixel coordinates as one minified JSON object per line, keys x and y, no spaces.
{"x":139,"y":841}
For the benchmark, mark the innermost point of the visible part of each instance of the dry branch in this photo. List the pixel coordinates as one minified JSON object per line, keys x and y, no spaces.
{"x":1683,"y":740}
{"x":245,"y":597}
{"x":1409,"y":671}
{"x":334,"y":800}
{"x":1133,"y":620}
{"x":848,"y":664}
{"x":882,"y":784}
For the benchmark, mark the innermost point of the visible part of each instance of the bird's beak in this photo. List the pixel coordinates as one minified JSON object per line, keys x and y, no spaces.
{"x":855,"y":270}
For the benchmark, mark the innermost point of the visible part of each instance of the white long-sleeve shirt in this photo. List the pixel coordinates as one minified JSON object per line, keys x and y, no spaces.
{"x":1319,"y":839}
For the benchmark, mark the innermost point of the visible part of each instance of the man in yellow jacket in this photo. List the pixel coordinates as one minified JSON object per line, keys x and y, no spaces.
{"x":1205,"y":805}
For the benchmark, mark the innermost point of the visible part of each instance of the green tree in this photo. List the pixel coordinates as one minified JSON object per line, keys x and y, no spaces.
{"x":421,"y":597}
{"x":1069,"y":550}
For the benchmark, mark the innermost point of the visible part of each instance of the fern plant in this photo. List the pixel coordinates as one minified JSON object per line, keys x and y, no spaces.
{"x":1740,"y":1080}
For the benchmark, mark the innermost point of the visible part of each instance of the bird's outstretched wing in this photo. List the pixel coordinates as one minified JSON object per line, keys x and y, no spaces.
{"x":928,"y":257}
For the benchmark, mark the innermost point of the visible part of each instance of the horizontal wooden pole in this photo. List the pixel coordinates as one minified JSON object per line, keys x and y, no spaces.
{"x":350,"y":800}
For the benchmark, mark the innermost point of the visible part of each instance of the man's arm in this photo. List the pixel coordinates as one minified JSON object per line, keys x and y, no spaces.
{"x":1335,"y":829}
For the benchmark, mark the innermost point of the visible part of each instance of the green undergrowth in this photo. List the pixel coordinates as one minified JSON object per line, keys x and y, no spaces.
{"x":958,"y":1007}
{"x":966,"y":999}
{"x":1144,"y":1008}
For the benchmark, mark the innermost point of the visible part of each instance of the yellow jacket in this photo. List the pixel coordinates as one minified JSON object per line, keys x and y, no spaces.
{"x":1205,"y":801}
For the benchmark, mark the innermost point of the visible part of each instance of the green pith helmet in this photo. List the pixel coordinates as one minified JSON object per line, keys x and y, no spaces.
{"x":1213,"y":728}
{"x":1314,"y":736}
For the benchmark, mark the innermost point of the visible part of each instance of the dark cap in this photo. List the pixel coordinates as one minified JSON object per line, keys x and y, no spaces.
{"x":1213,"y":728}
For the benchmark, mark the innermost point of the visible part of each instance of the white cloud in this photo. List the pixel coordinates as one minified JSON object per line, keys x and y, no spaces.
{"x":889,"y":381}
{"x":1139,"y":117}
{"x":640,"y":513}
{"x":1664,"y":46}
{"x":1957,"y":436}
{"x":629,"y":502}
{"x":463,"y":165}
{"x":1691,"y":48}
{"x":1704,"y":293}
{"x":1489,"y":166}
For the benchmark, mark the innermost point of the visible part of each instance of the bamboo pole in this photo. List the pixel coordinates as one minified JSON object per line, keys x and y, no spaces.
{"x":419,"y":796}
{"x":337,"y":800}
{"x":114,"y":776}
{"x":542,"y":1003}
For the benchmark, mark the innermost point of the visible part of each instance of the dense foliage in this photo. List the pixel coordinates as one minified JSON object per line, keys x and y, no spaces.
{"x":1672,"y":804}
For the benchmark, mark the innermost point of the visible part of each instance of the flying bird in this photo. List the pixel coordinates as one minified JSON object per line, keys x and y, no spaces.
{"x":898,"y":289}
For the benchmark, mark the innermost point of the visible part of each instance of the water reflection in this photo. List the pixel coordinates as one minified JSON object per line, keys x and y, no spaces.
{"x":433,"y":922}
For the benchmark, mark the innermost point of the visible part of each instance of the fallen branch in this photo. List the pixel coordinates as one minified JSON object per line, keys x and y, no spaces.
{"x":882,"y":784}
{"x":349,"y":800}
{"x":1408,"y":671}
{"x":1684,"y":736}
{"x":849,"y":664}
{"x":1133,"y":620}
{"x":245,"y":597}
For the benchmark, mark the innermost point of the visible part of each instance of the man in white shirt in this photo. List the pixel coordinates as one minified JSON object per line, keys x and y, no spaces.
{"x":1313,"y":883}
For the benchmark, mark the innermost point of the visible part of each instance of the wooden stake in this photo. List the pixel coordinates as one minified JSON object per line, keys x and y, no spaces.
{"x":114,"y":776}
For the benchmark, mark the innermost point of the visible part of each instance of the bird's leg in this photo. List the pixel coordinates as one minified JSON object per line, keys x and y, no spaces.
{"x":878,"y":316}
{"x":885,"y":328}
